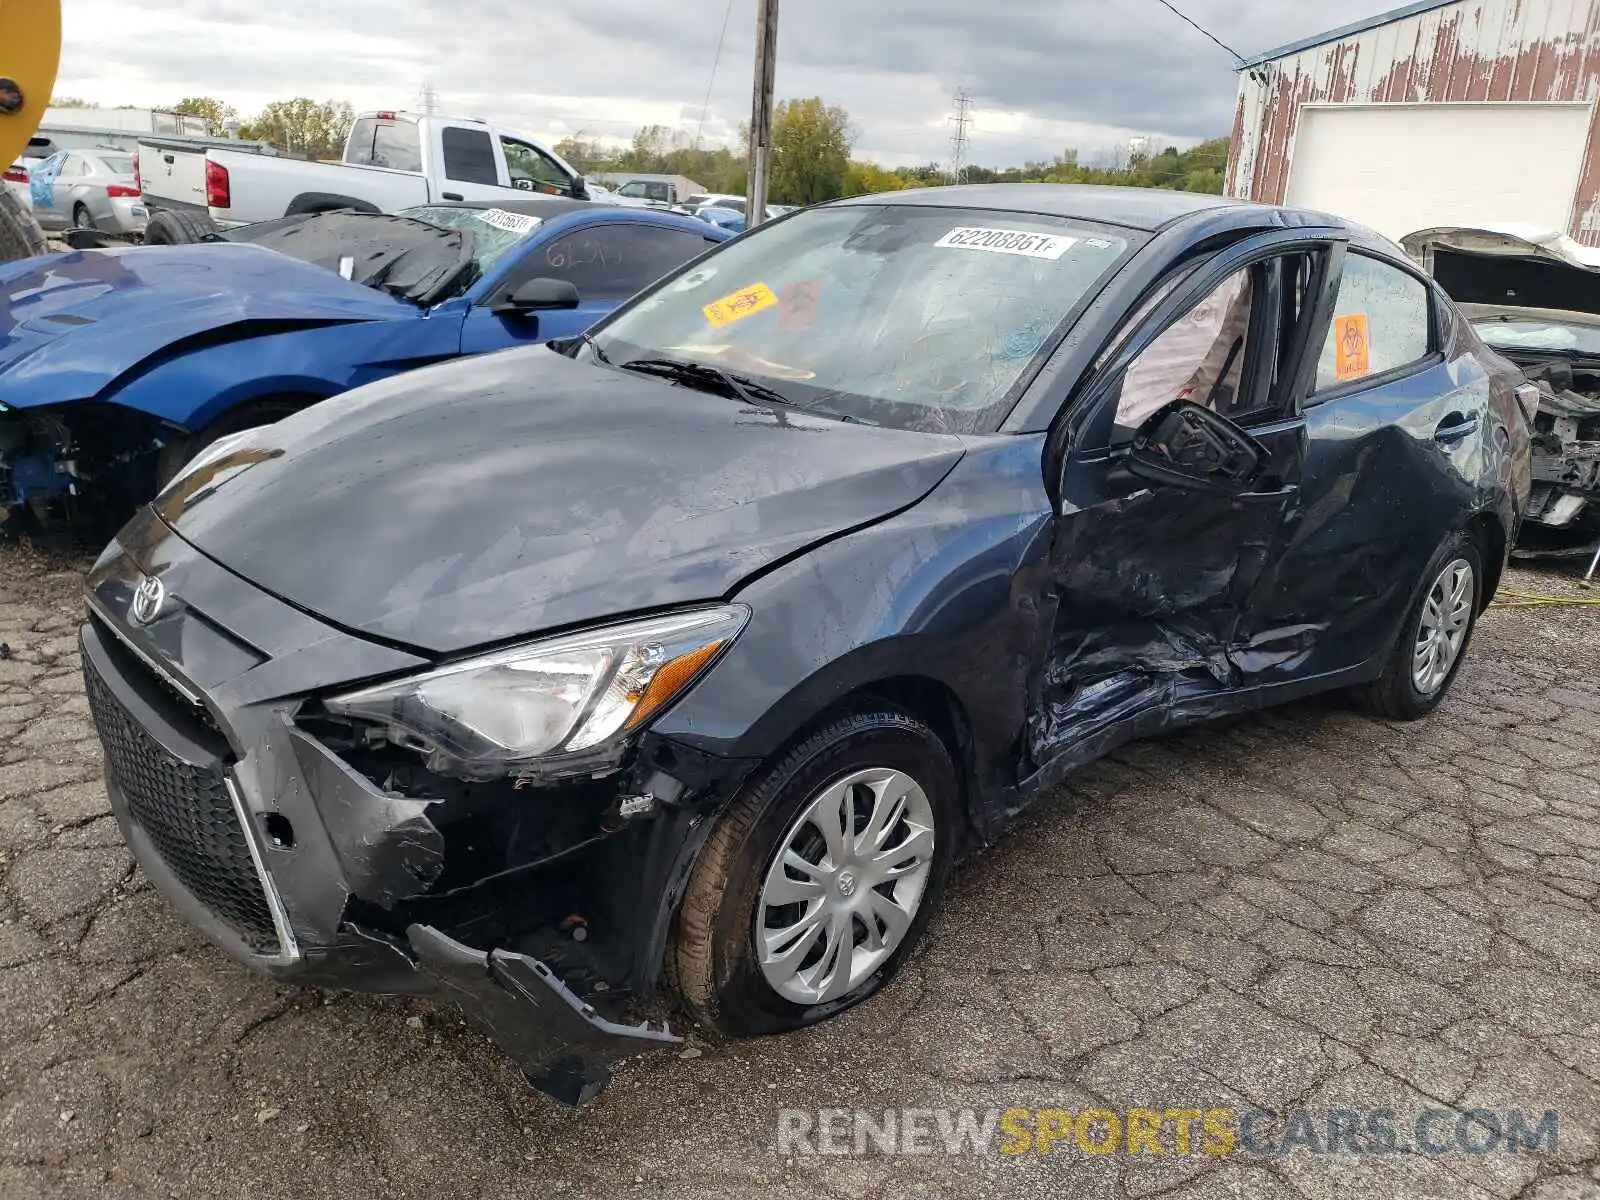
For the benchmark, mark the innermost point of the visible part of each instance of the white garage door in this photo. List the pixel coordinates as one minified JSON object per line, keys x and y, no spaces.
{"x":1399,"y":168}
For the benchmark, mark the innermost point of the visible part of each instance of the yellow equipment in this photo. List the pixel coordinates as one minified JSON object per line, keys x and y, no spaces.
{"x":30,"y":50}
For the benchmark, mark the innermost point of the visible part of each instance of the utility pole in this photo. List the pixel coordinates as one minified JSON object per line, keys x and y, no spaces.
{"x":761,"y":112}
{"x":429,"y":99}
{"x":958,"y":136}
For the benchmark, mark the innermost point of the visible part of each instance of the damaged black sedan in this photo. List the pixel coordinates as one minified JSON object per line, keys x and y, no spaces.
{"x":682,"y":659}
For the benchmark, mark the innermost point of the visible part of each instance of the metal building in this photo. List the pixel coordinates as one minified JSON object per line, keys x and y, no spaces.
{"x":1443,"y":112}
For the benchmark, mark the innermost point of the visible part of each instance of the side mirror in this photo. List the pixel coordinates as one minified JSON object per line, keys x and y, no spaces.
{"x":1187,"y":446}
{"x":532,"y":295}
{"x":580,"y":188}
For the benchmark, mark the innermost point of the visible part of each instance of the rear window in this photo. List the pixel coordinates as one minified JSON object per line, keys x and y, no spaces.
{"x":118,"y":164}
{"x":392,"y":144}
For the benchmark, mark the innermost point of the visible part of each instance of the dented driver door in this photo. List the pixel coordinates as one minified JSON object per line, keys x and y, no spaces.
{"x":1154,"y":577}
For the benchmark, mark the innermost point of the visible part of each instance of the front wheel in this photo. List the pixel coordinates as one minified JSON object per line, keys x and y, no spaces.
{"x":815,"y":885}
{"x":1433,"y":643}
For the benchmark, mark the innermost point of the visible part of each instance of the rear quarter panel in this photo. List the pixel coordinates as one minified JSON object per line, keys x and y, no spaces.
{"x":262,"y":188}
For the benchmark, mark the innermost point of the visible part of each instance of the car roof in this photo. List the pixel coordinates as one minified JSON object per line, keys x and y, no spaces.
{"x":547,"y":207}
{"x":1148,"y":209}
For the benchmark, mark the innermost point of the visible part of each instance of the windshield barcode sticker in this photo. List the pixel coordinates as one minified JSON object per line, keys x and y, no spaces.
{"x":509,"y":221}
{"x":1008,"y":241}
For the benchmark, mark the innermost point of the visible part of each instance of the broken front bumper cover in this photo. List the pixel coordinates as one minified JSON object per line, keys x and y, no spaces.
{"x":562,"y":1044}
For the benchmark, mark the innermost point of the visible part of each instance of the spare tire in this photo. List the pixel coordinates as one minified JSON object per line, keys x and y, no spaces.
{"x":170,"y":227}
{"x":20,"y":235}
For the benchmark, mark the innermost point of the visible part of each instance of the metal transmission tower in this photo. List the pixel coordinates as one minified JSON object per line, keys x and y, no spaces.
{"x":960,"y":121}
{"x":428,"y":99}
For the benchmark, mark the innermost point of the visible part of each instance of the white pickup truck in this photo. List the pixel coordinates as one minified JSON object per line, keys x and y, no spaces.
{"x":392,"y":160}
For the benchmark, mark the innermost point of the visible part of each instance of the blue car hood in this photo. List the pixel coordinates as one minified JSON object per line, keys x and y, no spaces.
{"x":71,"y":324}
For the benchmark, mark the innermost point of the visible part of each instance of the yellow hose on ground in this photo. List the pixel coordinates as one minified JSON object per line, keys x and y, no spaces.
{"x":30,"y":52}
{"x":1534,"y":600}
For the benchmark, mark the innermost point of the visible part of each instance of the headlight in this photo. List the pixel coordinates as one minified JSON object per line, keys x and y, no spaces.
{"x":562,"y":696}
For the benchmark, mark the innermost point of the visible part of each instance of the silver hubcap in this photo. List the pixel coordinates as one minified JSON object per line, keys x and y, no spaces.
{"x":845,"y":886}
{"x":1446,"y":617}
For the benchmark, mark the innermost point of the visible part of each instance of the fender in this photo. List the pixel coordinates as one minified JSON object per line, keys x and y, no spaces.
{"x":192,"y":386}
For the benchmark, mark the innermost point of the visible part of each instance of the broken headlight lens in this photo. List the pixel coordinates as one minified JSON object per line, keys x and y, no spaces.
{"x":561,"y":696}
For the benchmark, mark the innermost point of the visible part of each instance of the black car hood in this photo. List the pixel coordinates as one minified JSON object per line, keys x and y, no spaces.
{"x":502,"y":496}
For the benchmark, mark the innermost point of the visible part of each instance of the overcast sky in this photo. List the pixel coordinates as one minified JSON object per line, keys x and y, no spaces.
{"x":1043,"y":74}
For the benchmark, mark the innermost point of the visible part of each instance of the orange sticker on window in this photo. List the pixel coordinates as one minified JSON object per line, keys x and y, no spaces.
{"x":1352,"y":347}
{"x":736,"y":306}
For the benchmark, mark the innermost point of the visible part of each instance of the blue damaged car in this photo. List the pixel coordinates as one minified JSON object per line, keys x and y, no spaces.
{"x":118,"y":365}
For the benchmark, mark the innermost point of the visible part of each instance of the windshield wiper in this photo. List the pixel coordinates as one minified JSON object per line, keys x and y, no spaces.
{"x":748,"y":390}
{"x":600,"y":356}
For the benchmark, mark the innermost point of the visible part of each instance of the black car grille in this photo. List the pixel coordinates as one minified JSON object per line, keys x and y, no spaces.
{"x":188,"y":815}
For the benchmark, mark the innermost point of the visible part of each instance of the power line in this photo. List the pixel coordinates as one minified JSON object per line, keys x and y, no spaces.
{"x":710,"y":83}
{"x":1166,"y":4}
{"x":958,"y":135}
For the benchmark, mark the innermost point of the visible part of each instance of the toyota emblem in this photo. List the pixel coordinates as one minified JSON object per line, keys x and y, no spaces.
{"x":148,"y":598}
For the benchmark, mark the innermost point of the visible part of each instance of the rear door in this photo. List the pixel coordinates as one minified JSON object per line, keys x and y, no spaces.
{"x":607,"y":261}
{"x":1395,"y":423}
{"x":1155,"y":583}
{"x":471,"y":165}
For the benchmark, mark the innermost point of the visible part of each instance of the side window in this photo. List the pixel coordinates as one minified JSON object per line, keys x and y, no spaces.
{"x":72,"y":166}
{"x":1380,"y":323}
{"x":613,"y":261}
{"x":469,"y":155}
{"x":1199,"y":357}
{"x":531,"y":168}
{"x":1226,"y":353}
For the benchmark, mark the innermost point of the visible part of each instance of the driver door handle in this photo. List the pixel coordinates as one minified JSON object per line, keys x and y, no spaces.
{"x":1455,"y":427}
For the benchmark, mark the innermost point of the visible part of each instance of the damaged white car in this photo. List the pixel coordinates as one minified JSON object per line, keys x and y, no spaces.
{"x":1533,"y":295}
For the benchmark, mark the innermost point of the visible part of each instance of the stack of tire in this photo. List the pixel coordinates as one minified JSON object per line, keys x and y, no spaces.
{"x":20,"y":235}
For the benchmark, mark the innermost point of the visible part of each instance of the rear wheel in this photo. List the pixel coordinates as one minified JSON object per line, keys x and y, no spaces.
{"x":1433,"y":642}
{"x":20,"y":235}
{"x":81,"y":218}
{"x":171,"y":227}
{"x":815,"y":885}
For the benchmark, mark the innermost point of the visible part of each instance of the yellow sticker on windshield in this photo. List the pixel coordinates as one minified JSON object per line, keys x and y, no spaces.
{"x":736,"y":306}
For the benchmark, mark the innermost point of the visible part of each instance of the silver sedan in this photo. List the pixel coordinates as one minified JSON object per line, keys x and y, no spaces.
{"x":88,"y":189}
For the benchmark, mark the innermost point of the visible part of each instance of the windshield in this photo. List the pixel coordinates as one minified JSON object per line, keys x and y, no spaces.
{"x":1528,"y":333}
{"x":911,"y":317}
{"x":493,"y":230}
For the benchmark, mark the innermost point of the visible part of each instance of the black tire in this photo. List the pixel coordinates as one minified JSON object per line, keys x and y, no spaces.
{"x":20,"y":235}
{"x":712,"y":963}
{"x":1395,"y":693}
{"x":173,"y":227}
{"x":81,"y":218}
{"x":247,"y":416}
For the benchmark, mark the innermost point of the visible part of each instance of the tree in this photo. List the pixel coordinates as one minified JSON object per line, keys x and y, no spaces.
{"x":584,"y":152}
{"x":866,"y":178}
{"x":810,"y":151}
{"x":212,"y":111}
{"x":303,"y":127}
{"x":69,"y":102}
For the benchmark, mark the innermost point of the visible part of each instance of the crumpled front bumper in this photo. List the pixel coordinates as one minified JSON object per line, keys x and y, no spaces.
{"x":297,"y":865}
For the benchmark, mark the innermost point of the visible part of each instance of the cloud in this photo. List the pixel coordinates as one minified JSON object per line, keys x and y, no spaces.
{"x":1043,"y":74}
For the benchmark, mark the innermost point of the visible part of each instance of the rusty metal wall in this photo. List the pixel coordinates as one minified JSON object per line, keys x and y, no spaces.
{"x":1472,"y":50}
